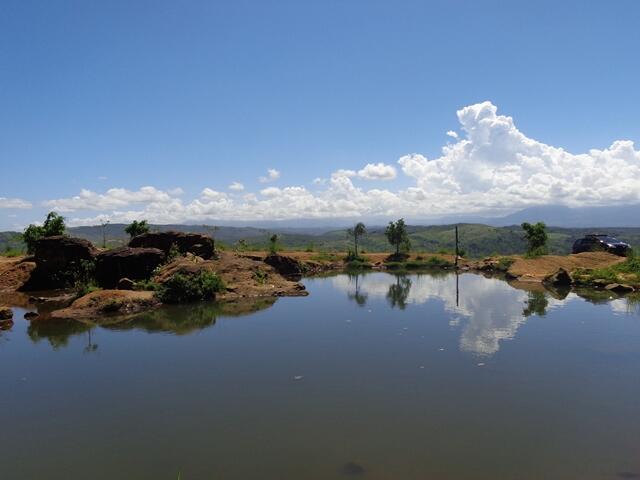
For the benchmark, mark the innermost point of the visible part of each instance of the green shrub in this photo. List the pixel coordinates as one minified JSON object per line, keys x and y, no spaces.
{"x":174,"y":252}
{"x":536,"y":237}
{"x":112,"y":306}
{"x":353,"y":257}
{"x":148,"y":285}
{"x":358,"y":263}
{"x":260,"y":276}
{"x":81,"y":277}
{"x":181,"y":288}
{"x":504,"y":263}
{"x":53,"y":225}
{"x":136,"y":228}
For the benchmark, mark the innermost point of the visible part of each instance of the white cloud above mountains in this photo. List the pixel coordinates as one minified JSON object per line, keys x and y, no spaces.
{"x":491,"y":167}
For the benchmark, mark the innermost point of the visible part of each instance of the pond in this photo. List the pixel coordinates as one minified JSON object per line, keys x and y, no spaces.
{"x":376,"y":376}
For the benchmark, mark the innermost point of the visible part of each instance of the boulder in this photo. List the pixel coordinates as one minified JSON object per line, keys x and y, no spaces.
{"x":284,"y":265}
{"x":126,"y":262}
{"x":6,"y":313}
{"x":559,"y":278}
{"x":125,"y":284}
{"x":58,"y":260}
{"x":195,"y":243}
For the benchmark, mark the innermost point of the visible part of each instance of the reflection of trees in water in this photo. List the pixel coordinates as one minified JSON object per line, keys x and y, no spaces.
{"x":536,"y":304}
{"x":399,"y":292}
{"x":56,"y":332}
{"x":359,"y":297}
{"x":177,"y":319}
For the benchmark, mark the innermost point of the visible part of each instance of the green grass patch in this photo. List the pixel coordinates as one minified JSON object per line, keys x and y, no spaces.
{"x":625,"y":272}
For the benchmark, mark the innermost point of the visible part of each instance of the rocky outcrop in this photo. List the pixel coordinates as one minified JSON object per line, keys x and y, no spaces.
{"x":59,"y":260}
{"x":243,"y":277}
{"x":287,"y":266}
{"x":559,"y":278}
{"x":126,"y":262}
{"x":200,"y":245}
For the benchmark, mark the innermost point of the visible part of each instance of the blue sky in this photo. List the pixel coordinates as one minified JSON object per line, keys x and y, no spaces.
{"x":101,"y":99}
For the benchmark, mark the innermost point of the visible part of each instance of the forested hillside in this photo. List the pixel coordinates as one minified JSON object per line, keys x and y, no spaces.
{"x":475,"y":240}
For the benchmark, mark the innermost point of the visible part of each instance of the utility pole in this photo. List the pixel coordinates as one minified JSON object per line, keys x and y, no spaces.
{"x":104,"y":224}
{"x":457,"y":249}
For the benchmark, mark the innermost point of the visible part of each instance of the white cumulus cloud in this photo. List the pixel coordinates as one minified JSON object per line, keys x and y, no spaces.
{"x":377,"y":171}
{"x":236,"y":187}
{"x":111,"y":199}
{"x":272,"y":174}
{"x":491,"y":168}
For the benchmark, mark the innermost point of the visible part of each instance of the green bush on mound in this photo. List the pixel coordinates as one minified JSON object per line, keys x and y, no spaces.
{"x":181,"y":288}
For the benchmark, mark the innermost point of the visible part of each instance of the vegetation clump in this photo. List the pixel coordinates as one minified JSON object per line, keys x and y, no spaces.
{"x":397,"y":235}
{"x":181,"y":288}
{"x":356,"y":232}
{"x":53,"y":225}
{"x":627,"y":272}
{"x":504,"y":263}
{"x":273,"y":244}
{"x":136,"y":228}
{"x":536,"y":237}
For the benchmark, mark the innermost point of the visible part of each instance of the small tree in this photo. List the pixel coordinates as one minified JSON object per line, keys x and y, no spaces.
{"x":536,"y":237}
{"x":136,"y":228}
{"x":53,"y":225}
{"x":273,"y":244}
{"x":356,"y":232}
{"x":397,"y":235}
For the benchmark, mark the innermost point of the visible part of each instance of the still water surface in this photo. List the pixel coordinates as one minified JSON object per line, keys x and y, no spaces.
{"x":376,"y":377}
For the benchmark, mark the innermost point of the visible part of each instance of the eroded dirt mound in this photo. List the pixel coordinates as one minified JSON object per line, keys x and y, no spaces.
{"x":537,"y":269}
{"x":108,"y":302}
{"x":14,"y":272}
{"x":243,"y":276}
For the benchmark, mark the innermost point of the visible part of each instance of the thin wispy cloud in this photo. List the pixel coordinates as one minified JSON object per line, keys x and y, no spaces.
{"x":272,"y":175}
{"x":17,"y":203}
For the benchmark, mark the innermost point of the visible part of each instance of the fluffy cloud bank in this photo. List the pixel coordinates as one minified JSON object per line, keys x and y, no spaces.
{"x":491,"y":167}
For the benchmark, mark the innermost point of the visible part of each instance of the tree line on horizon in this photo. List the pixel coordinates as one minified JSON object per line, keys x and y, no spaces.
{"x":531,"y":239}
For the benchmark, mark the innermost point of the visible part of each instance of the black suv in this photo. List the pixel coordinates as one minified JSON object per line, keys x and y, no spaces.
{"x":600,"y":242}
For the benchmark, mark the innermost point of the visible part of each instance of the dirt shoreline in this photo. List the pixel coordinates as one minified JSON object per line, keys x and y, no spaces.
{"x":247,"y":275}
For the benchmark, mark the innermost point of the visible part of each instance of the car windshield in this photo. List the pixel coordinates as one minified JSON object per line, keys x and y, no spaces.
{"x":607,"y":239}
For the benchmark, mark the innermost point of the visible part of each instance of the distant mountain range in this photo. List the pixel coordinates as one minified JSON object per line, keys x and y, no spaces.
{"x":479,"y":236}
{"x":552,"y":215}
{"x":582,"y":217}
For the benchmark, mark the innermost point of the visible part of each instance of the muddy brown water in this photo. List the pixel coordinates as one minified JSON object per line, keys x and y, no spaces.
{"x":375,"y":376}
